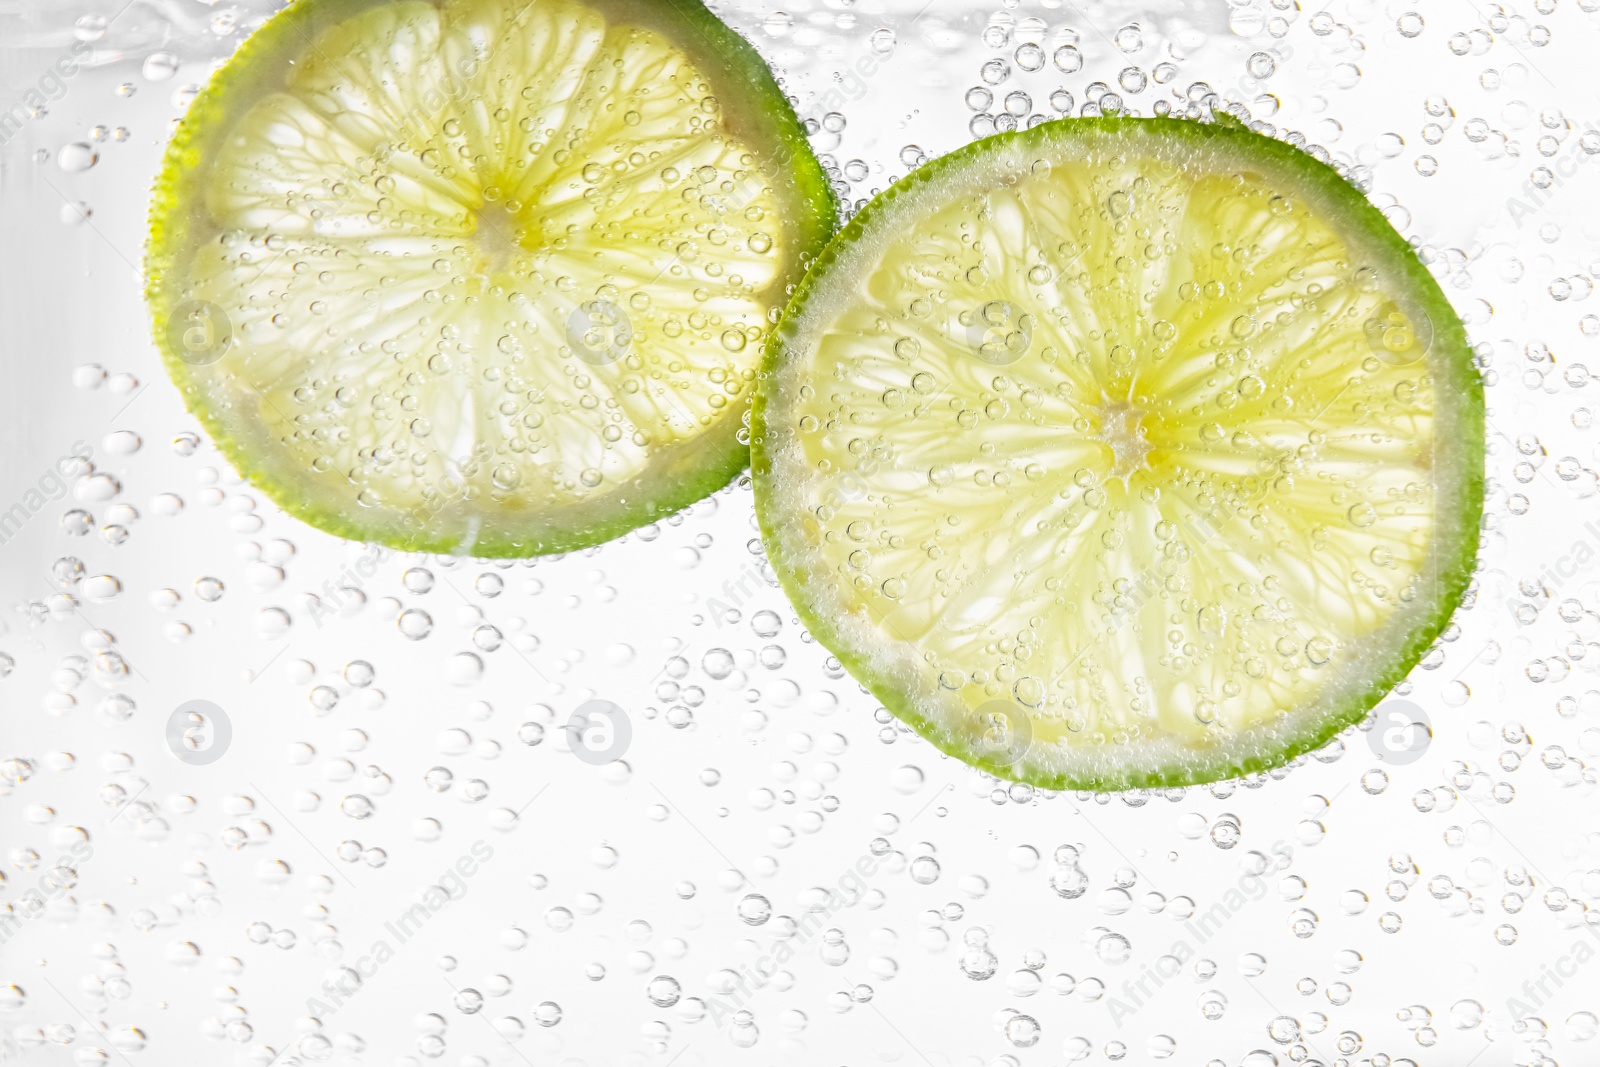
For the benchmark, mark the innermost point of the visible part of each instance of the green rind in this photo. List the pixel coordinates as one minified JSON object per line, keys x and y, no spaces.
{"x":1455,"y":547}
{"x":718,"y":50}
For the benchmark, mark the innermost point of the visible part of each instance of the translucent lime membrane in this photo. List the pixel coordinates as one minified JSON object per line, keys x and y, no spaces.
{"x":1122,"y":452}
{"x":485,"y":276}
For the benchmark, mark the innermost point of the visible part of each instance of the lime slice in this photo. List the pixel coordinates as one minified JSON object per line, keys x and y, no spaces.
{"x":482,"y":276}
{"x":1122,"y":453}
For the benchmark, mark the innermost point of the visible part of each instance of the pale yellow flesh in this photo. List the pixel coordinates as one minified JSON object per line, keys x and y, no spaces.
{"x":1133,"y":444}
{"x":504,"y":245}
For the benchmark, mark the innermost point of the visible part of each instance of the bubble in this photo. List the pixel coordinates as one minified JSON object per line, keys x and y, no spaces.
{"x":183,"y":953}
{"x":1023,"y":1031}
{"x":88,"y":376}
{"x":16,"y":770}
{"x":1113,"y":949}
{"x":744,"y":1033}
{"x":118,"y":707}
{"x":924,"y":870}
{"x":999,"y":332}
{"x":599,"y":332}
{"x":414,"y":623}
{"x":754,"y":909}
{"x":1225,"y":832}
{"x":1466,"y":1014}
{"x":208,"y":589}
{"x":907,"y":778}
{"x":159,"y":66}
{"x":90,"y":27}
{"x":77,"y":156}
{"x":101,"y":587}
{"x":718,"y":663}
{"x":1069,"y":881}
{"x":978,"y":963}
{"x":663,"y":991}
{"x":1284,"y":1030}
{"x":357,"y":806}
{"x":1400,"y":734}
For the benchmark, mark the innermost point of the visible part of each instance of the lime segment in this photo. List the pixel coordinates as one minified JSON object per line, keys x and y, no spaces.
{"x":1122,"y":452}
{"x":482,"y":276}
